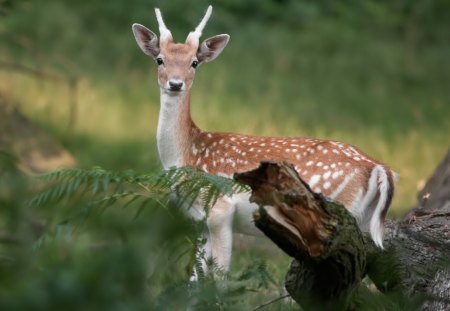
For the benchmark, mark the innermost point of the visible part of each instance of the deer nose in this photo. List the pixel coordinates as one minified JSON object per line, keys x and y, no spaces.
{"x":175,"y":85}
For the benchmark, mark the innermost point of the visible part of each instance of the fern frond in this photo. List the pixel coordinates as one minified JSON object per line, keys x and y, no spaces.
{"x":257,"y":271}
{"x":105,"y":188}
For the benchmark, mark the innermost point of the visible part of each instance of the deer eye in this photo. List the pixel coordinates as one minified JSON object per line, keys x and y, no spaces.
{"x":194,"y":64}
{"x":159,"y":61}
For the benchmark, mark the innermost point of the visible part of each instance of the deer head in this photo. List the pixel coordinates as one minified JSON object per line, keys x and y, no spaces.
{"x":177,"y":62}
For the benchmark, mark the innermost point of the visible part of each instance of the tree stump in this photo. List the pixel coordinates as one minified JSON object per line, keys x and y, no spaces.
{"x":321,"y":235}
{"x":331,"y":255}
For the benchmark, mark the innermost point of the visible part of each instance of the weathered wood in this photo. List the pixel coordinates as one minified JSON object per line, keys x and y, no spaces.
{"x":436,"y":193}
{"x":418,"y":247}
{"x":321,"y":235}
{"x":332,"y":256}
{"x":416,"y":253}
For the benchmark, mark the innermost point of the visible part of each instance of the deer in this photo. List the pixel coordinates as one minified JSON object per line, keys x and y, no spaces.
{"x":339,"y":171}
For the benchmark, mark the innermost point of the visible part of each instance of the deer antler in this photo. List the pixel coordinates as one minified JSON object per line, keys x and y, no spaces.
{"x":165,"y":34}
{"x":194,"y":36}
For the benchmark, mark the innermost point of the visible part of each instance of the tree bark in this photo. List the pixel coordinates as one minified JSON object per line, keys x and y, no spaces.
{"x":329,"y":249}
{"x":332,"y":256}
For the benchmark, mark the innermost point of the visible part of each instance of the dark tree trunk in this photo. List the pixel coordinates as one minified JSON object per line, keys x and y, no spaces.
{"x":331,"y":254}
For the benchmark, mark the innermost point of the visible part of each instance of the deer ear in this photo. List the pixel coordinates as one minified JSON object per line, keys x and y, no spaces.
{"x":146,"y":39}
{"x":212,"y":47}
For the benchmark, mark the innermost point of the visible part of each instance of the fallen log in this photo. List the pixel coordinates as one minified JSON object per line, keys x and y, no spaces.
{"x":332,"y":256}
{"x":322,"y":236}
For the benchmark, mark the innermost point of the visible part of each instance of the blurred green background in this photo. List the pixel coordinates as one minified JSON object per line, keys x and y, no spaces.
{"x":371,"y":73}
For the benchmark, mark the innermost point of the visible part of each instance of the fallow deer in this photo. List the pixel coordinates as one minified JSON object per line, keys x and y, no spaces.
{"x":339,"y":171}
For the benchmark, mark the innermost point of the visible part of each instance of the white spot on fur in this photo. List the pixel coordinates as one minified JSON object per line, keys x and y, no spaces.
{"x":326,"y":175}
{"x":309,"y":163}
{"x":335,"y":175}
{"x":314,"y":180}
{"x":326,"y":185}
{"x":342,"y":186}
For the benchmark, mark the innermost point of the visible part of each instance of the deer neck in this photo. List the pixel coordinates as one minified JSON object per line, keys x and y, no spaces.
{"x":176,"y":130}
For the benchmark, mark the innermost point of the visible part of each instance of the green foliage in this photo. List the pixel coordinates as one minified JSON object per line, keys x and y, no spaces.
{"x":98,"y":239}
{"x":105,"y":188}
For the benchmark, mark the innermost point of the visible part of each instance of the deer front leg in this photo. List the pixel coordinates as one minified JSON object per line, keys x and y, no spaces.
{"x":220,"y":226}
